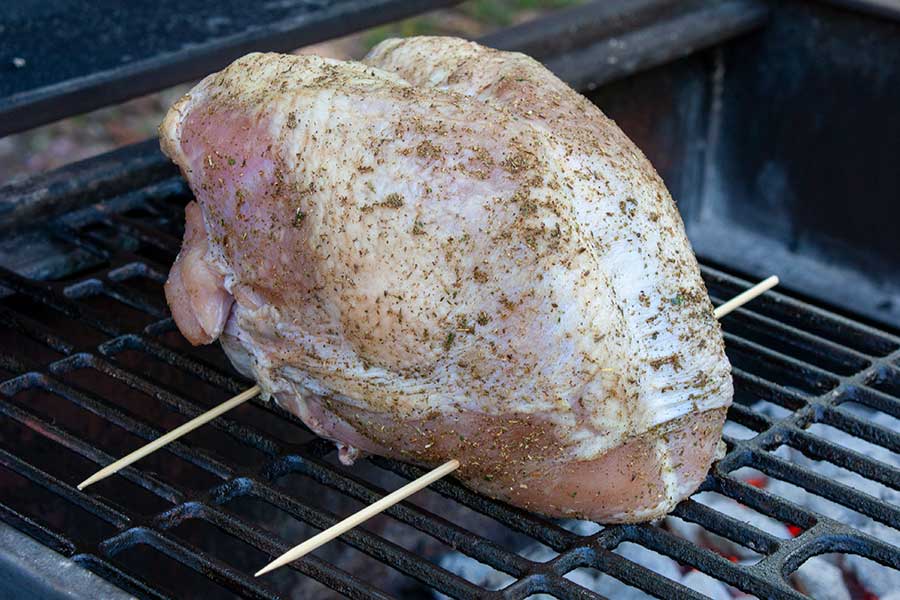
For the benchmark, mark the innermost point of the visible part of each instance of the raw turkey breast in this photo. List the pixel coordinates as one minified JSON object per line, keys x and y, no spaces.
{"x":445,"y":252}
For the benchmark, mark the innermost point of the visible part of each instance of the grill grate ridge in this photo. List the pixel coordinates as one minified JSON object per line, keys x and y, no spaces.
{"x":801,"y":358}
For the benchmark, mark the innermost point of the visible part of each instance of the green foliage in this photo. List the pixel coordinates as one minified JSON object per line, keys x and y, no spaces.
{"x":425,"y":25}
{"x":504,"y":12}
{"x":487,"y":14}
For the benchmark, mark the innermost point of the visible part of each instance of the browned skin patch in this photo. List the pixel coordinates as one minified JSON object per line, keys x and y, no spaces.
{"x":531,"y":472}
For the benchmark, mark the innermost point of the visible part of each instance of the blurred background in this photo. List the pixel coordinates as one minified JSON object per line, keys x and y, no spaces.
{"x":773,"y":124}
{"x":87,"y":135}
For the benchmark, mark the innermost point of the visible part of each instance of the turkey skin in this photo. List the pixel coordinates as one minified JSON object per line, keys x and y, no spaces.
{"x":444,"y":252}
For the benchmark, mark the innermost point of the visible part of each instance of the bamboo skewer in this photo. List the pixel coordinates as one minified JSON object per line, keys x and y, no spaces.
{"x":365,"y":514}
{"x":370,"y":511}
{"x":170,"y":437}
{"x":422,"y":482}
{"x":744,"y":297}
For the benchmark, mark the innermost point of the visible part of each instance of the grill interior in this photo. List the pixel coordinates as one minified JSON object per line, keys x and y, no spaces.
{"x":92,"y":366}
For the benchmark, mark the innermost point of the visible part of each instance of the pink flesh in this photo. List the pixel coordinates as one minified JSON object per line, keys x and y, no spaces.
{"x":618,"y":487}
{"x":195,"y":291}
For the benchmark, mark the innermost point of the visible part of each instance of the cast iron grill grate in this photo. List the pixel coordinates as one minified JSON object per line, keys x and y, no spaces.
{"x":91,"y":365}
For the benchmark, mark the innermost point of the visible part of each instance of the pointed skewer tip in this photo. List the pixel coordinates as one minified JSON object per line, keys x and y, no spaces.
{"x":167,"y":438}
{"x":266,"y":569}
{"x":91,"y":480}
{"x":746,"y":296}
{"x":298,"y":552}
{"x":338,"y":529}
{"x":448,"y":467}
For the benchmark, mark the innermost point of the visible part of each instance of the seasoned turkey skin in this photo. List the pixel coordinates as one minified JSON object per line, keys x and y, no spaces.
{"x":445,"y":252}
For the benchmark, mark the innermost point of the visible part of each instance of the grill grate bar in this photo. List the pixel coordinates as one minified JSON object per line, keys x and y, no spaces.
{"x":559,"y":587}
{"x":246,"y":434}
{"x":25,"y":326}
{"x":134,"y":299}
{"x":804,"y":360}
{"x":45,"y":294}
{"x":870,"y":432}
{"x":818,"y":351}
{"x":876,"y":399}
{"x":640,"y":577}
{"x":476,"y":546}
{"x":169,"y":244}
{"x":820,"y":449}
{"x":387,"y":551}
{"x":761,"y":388}
{"x":196,"y":559}
{"x":397,"y":556}
{"x":714,"y":565}
{"x":43,"y":534}
{"x":535,"y":526}
{"x":117,"y":576}
{"x":88,"y":242}
{"x":798,"y":371}
{"x":52,"y":484}
{"x":832,"y":490}
{"x":84,"y":449}
{"x":138,"y":427}
{"x":779,"y":306}
{"x":830,"y":536}
{"x":187,"y":363}
{"x":747,"y":417}
{"x":765,"y":503}
{"x":728,"y":527}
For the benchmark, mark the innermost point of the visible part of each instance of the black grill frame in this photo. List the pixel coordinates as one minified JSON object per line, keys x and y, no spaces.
{"x":873,"y":354}
{"x":863,"y":359}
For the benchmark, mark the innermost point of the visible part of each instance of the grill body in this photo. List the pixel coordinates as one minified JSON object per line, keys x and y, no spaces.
{"x":92,"y":366}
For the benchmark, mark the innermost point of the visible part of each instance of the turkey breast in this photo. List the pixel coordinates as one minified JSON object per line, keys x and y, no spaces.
{"x":445,"y":252}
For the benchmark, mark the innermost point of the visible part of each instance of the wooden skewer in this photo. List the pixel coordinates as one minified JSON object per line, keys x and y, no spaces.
{"x":170,"y":437}
{"x":744,"y":297}
{"x":356,"y":519}
{"x":448,"y":467}
{"x":383,"y":504}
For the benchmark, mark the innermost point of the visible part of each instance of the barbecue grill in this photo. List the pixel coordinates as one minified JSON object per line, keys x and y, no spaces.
{"x":91,"y":366}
